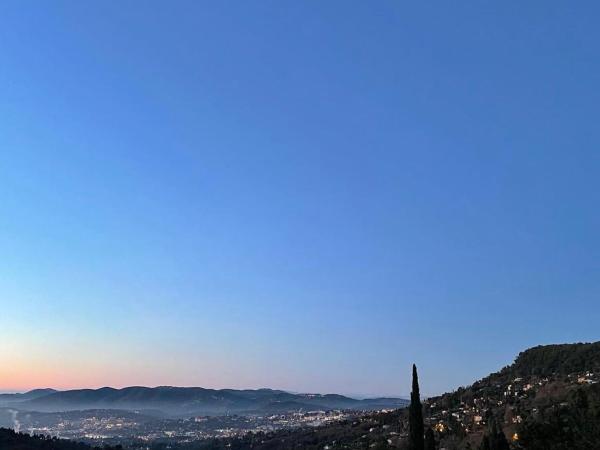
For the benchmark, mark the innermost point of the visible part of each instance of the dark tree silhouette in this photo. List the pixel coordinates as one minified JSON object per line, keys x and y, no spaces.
{"x":495,"y":439}
{"x":498,"y":439}
{"x":11,"y":440}
{"x":429,"y":440}
{"x":485,"y":443}
{"x":415,"y":416}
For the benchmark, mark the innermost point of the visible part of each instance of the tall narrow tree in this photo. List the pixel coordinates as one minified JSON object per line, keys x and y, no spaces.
{"x":415,"y":416}
{"x":494,"y":439}
{"x":429,"y":440}
{"x":485,"y":443}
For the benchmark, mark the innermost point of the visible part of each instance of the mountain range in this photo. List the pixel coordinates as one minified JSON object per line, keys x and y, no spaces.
{"x":187,"y":401}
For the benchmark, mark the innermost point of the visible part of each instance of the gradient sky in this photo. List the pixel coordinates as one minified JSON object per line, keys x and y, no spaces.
{"x":301,"y":195}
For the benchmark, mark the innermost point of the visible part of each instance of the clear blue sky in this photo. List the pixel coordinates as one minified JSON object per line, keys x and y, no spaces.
{"x":300,"y":195}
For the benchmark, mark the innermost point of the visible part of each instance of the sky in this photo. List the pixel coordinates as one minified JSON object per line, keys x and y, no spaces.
{"x":307,"y":196}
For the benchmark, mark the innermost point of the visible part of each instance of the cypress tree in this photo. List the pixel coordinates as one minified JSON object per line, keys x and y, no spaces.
{"x":429,"y":440}
{"x":500,"y":441}
{"x":494,"y":439}
{"x":493,"y":433}
{"x":415,"y":416}
{"x":485,"y":443}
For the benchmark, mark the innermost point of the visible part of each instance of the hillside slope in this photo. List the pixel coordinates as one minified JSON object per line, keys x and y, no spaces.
{"x":543,"y":382}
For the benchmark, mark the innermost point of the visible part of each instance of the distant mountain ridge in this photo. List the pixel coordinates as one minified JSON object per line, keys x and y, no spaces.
{"x":190,"y":400}
{"x":30,"y":395}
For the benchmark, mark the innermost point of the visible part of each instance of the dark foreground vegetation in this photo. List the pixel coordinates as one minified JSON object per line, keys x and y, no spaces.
{"x":11,"y":440}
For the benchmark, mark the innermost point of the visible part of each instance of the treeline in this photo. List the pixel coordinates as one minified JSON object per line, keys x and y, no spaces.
{"x":563,"y":359}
